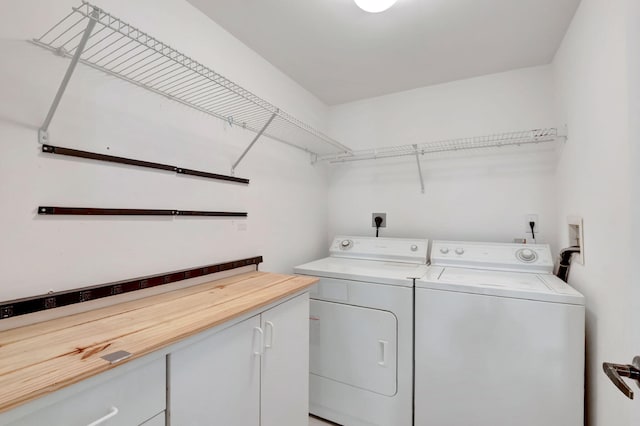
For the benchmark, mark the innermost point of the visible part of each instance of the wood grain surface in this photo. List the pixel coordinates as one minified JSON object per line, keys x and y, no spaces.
{"x":42,"y":358}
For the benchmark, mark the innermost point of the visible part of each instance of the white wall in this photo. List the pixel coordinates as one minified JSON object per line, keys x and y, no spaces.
{"x":633,"y":53}
{"x":594,"y":181}
{"x":285,"y":200}
{"x":481,"y":195}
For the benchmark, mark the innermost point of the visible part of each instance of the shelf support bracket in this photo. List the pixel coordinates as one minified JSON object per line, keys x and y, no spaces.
{"x":43,"y":132}
{"x":233,"y":168}
{"x":415,"y":147}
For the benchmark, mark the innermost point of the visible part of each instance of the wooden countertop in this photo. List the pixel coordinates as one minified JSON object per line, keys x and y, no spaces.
{"x":42,"y":358}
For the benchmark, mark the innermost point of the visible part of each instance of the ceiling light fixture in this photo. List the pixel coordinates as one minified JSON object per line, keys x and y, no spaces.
{"x":374,"y":6}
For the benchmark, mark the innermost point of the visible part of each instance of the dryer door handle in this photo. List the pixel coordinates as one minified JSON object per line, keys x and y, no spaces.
{"x":382,"y":357}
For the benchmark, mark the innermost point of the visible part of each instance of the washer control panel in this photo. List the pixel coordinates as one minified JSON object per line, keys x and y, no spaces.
{"x":493,"y":256}
{"x":527,"y":255}
{"x":382,"y":249}
{"x":346,"y":244}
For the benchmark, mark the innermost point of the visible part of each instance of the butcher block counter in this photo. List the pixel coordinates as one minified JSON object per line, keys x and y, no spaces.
{"x":42,"y":358}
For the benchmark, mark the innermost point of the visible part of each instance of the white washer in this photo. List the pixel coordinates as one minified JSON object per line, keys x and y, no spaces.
{"x":499,"y":339}
{"x":361,"y":330}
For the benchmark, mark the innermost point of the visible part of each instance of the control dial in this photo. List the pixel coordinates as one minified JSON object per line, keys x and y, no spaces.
{"x":527,"y":255}
{"x":346,"y":244}
{"x":459,"y":251}
{"x":414,"y":247}
{"x":444,"y":250}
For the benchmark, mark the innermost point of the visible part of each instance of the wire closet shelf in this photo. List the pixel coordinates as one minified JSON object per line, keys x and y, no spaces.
{"x":477,"y":142}
{"x":119,"y":49}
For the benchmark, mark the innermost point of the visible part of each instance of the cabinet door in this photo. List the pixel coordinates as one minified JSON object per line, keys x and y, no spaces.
{"x":216,"y":381}
{"x":285,"y":364}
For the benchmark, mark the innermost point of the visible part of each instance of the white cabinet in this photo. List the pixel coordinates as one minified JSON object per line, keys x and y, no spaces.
{"x":252,"y":373}
{"x":217,"y":380}
{"x":119,"y":397}
{"x":285,"y":364}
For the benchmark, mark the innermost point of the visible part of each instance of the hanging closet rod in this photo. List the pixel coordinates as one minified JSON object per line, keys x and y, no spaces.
{"x":90,"y":211}
{"x":91,"y":36}
{"x":498,"y":140}
{"x":50,"y":149}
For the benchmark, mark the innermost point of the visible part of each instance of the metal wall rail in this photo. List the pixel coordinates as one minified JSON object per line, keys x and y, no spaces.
{"x":50,"y":149}
{"x":90,"y":211}
{"x":91,"y":36}
{"x":498,"y":140}
{"x":13,"y":308}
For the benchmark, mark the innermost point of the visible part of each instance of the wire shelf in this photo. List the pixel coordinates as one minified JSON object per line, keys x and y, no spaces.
{"x":119,"y":49}
{"x":478,"y":142}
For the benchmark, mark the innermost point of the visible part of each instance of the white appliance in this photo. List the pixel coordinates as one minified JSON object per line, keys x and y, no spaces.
{"x":499,"y":339}
{"x":361,"y":330}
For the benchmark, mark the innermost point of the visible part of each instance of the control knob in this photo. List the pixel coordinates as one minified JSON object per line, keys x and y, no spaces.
{"x":345,"y":244}
{"x":414,"y":247}
{"x":444,"y":250}
{"x":526,"y":255}
{"x":459,"y":251}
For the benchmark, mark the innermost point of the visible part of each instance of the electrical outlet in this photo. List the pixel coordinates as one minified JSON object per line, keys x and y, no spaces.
{"x":384,"y":219}
{"x":531,"y":218}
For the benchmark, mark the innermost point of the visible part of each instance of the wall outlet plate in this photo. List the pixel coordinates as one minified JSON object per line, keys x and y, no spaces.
{"x":384,"y":219}
{"x":576,"y":236}
{"x":531,"y":218}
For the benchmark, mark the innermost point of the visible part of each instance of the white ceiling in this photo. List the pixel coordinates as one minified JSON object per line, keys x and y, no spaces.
{"x":341,"y":53}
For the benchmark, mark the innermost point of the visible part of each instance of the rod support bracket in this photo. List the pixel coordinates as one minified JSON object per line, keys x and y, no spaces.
{"x":417,"y":153}
{"x":43,"y":137}
{"x":43,"y":134}
{"x":255,"y":139}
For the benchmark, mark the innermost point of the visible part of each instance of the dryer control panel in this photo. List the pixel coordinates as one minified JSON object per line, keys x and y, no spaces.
{"x":381,"y":249}
{"x":493,"y":256}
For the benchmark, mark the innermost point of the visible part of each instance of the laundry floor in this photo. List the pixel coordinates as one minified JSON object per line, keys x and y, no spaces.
{"x":314,"y":421}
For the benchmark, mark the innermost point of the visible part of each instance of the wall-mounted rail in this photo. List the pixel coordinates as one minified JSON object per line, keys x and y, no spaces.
{"x":91,"y":36}
{"x":90,"y":211}
{"x":50,"y":149}
{"x":13,"y":308}
{"x":499,"y":140}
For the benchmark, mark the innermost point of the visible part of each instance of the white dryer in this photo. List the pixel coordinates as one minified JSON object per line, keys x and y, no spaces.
{"x":361,"y":330}
{"x":499,"y":339}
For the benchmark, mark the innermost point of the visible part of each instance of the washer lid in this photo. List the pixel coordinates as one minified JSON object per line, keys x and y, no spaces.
{"x":392,"y":273}
{"x":520,"y":285}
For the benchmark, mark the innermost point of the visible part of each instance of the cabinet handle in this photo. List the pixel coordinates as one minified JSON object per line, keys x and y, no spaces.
{"x":383,"y":352}
{"x":260,"y":340}
{"x":268,"y":325}
{"x":112,"y":413}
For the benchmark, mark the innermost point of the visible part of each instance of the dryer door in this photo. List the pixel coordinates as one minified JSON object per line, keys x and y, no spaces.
{"x":354,"y":345}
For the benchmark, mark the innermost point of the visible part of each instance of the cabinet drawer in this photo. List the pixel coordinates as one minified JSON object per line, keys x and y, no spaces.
{"x":136,"y":394}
